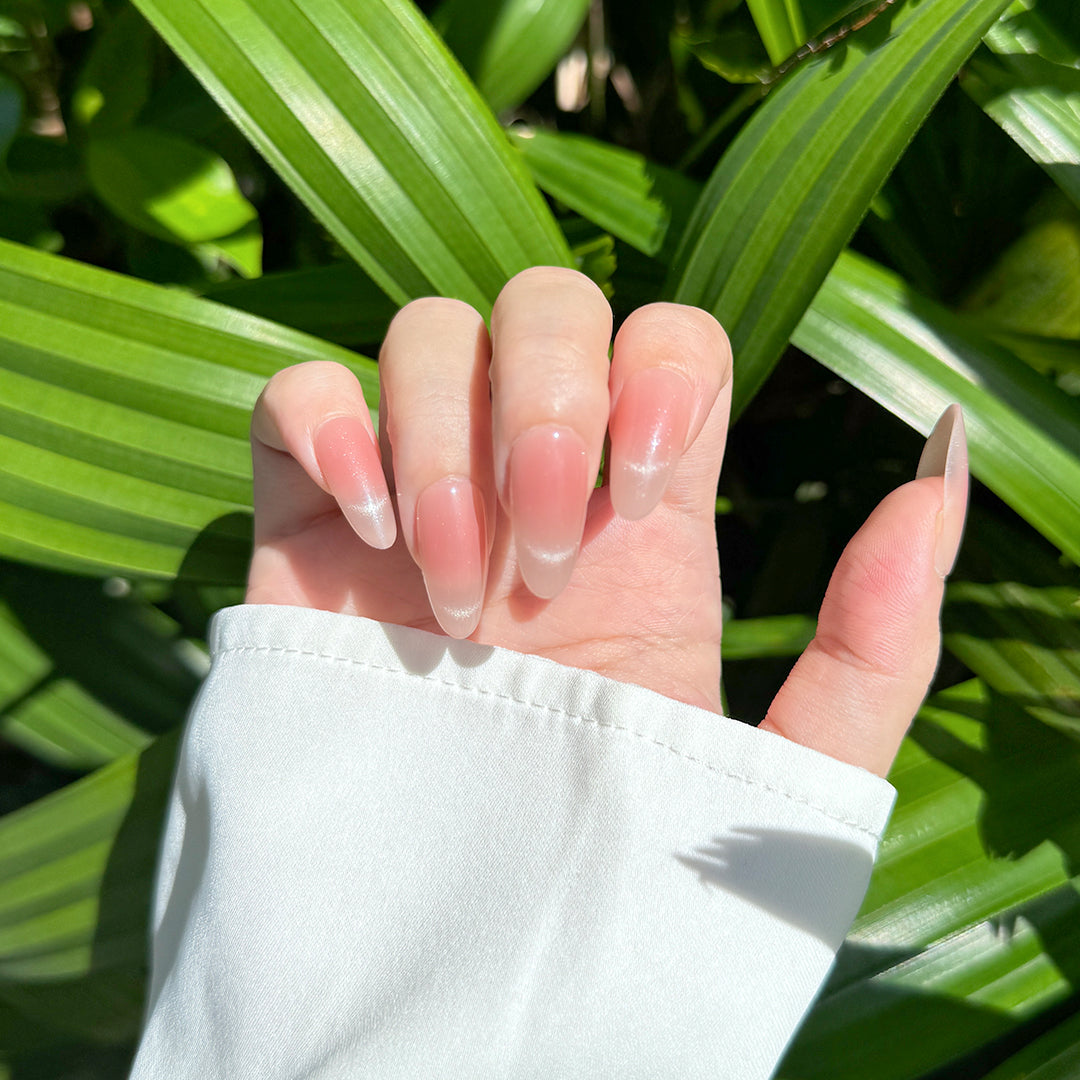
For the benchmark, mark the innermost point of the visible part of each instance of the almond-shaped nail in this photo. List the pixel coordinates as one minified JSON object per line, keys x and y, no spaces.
{"x":451,"y":541}
{"x":549,"y":491}
{"x":946,"y":455}
{"x":350,"y":464}
{"x":648,"y":435}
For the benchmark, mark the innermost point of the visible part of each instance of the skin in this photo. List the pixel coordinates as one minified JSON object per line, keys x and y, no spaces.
{"x":642,"y":603}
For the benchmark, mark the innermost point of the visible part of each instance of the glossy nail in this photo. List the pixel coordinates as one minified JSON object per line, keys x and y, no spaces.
{"x":648,"y":435}
{"x":350,"y":464}
{"x":549,"y":492}
{"x":946,"y":455}
{"x":451,"y":541}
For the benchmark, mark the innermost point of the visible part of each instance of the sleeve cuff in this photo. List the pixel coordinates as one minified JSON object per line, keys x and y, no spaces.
{"x":390,"y":854}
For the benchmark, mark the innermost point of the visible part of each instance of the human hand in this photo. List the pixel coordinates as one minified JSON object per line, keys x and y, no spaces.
{"x":501,"y":536}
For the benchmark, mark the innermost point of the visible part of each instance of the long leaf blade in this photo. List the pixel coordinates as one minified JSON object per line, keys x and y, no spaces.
{"x":915,"y":358}
{"x":623,"y":192}
{"x":794,"y":185}
{"x":972,"y":920}
{"x":509,"y":46}
{"x":1027,"y":81}
{"x":75,"y":875}
{"x":124,"y":410}
{"x":360,"y":108}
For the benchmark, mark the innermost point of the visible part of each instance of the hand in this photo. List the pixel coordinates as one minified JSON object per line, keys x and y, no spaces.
{"x":489,"y":450}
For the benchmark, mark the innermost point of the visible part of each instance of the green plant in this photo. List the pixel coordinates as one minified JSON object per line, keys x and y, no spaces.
{"x":915,"y":234}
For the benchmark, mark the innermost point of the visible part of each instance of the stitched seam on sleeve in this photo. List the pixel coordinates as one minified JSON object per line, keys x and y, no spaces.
{"x":564,"y":713}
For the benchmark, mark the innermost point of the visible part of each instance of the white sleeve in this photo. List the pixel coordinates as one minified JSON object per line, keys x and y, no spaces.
{"x":390,"y":855}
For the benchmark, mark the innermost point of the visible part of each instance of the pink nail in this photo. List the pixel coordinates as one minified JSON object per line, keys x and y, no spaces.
{"x":451,"y":540}
{"x":648,"y":435}
{"x":349,"y":460}
{"x":549,"y":492}
{"x":945,"y":454}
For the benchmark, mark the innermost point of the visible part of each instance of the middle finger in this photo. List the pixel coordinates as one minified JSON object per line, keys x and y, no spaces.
{"x":550,"y":333}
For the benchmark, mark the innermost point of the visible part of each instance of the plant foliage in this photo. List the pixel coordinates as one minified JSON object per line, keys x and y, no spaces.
{"x":880,"y":201}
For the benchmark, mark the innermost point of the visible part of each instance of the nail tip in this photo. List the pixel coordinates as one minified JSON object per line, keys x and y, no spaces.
{"x":945,"y":455}
{"x":944,"y":440}
{"x":544,"y":576}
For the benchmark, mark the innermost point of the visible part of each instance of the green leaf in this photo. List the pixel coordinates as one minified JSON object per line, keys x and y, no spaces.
{"x":1014,"y":619}
{"x":772,"y":635}
{"x":75,"y":875}
{"x":796,"y":181}
{"x":915,"y":358}
{"x":88,"y":670}
{"x":632,"y":198}
{"x":242,"y":250}
{"x":1053,"y":1056}
{"x":733,"y":50}
{"x":339,"y":302}
{"x":361,"y":109}
{"x":509,"y":46}
{"x":1034,"y":287}
{"x":114,"y":83}
{"x":1028,"y":81}
{"x":124,"y":409}
{"x":971,"y":924}
{"x":781,"y":25}
{"x":50,"y":716}
{"x":1023,"y":641}
{"x":167,"y":186}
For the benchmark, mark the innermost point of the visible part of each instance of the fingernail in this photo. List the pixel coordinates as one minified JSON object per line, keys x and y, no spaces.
{"x":451,"y":540}
{"x":349,"y":460}
{"x":946,"y":455}
{"x":549,"y":491}
{"x":648,"y":434}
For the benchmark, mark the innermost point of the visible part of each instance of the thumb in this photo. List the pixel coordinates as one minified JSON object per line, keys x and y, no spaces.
{"x":855,"y":690}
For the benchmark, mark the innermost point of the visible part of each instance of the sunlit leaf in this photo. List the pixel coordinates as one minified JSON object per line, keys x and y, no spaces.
{"x":166,"y":185}
{"x":362,"y":111}
{"x":801,"y":173}
{"x":972,"y":921}
{"x":1014,"y":619}
{"x":632,"y":198}
{"x":915,"y":358}
{"x":509,"y":46}
{"x":124,"y":410}
{"x":1028,"y":81}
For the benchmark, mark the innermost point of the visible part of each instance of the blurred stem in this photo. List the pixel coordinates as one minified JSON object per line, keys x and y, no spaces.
{"x":599,"y":64}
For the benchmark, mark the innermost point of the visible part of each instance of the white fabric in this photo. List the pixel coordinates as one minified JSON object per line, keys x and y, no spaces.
{"x":390,"y":855}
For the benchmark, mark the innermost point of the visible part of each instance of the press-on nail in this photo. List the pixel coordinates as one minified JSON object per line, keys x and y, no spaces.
{"x":946,"y":455}
{"x":349,"y":460}
{"x":648,"y":434}
{"x":451,"y":542}
{"x":549,"y":491}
